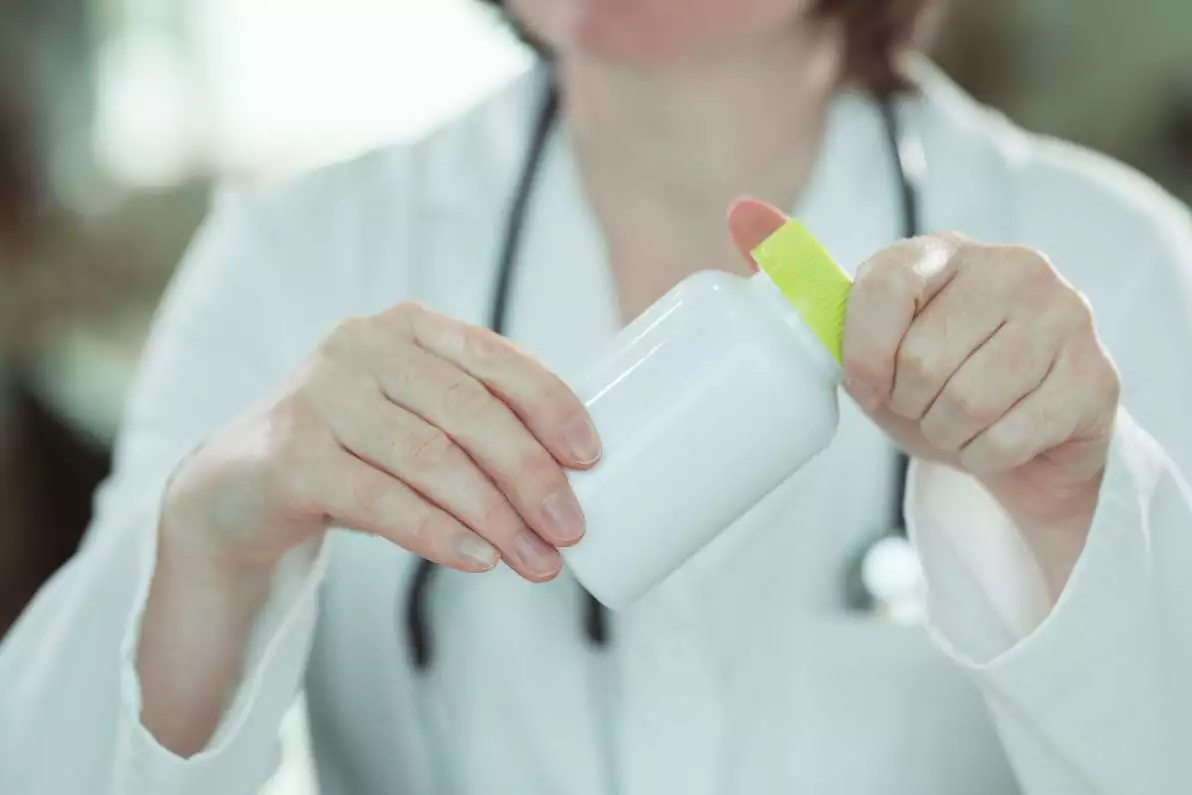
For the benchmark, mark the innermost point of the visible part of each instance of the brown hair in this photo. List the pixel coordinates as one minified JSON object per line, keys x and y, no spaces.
{"x":876,"y":31}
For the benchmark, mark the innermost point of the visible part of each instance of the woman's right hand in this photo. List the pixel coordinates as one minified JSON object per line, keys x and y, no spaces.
{"x":442,"y":437}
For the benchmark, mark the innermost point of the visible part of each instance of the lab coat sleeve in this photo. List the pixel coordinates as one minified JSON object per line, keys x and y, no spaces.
{"x":1091,"y":694}
{"x":69,"y":693}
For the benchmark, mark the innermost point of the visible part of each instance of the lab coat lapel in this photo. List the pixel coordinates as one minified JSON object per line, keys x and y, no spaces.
{"x":565,"y":311}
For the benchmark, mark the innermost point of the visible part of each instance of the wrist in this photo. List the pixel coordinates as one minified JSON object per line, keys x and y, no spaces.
{"x":1055,"y":529}
{"x":194,"y":633}
{"x":192,"y":553}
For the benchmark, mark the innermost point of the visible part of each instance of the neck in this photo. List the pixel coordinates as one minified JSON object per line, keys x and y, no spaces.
{"x":663,"y":150}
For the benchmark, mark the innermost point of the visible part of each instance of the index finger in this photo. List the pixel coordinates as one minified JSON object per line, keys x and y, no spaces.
{"x":539,"y":398}
{"x":889,"y":291}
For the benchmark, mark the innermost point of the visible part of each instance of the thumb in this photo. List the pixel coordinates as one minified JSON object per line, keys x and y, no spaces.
{"x":751,"y":221}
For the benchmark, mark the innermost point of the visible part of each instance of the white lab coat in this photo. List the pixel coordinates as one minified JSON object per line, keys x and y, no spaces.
{"x":742,"y":673}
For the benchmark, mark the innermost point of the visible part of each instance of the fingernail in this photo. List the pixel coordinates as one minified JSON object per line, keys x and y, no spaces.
{"x":477,"y":552}
{"x":535,"y":554}
{"x":583,"y":442}
{"x":565,"y":516}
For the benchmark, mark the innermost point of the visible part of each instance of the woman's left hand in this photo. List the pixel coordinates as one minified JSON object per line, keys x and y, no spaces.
{"x":985,"y":359}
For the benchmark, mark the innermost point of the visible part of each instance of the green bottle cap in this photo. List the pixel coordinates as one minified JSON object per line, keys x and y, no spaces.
{"x":810,"y":279}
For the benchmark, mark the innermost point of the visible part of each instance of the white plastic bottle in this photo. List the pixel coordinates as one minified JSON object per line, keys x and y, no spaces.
{"x":706,"y":403}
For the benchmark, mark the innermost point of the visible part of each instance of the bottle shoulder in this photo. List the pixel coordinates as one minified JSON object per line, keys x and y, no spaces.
{"x":752,"y":307}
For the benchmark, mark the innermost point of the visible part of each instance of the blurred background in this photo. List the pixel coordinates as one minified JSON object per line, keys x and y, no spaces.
{"x":118,"y":116}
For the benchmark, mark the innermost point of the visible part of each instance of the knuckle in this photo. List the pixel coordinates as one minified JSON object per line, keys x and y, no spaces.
{"x":403,"y":316}
{"x":463,"y":397}
{"x":866,"y":271}
{"x":1107,"y":385}
{"x":539,"y":471}
{"x":1003,"y":444}
{"x":966,"y":404}
{"x":863,"y":365}
{"x":553,"y":404}
{"x":370,"y":496}
{"x":1111,"y":384}
{"x":937,"y":433}
{"x":423,"y":528}
{"x":1001,"y":441}
{"x":1032,"y":266}
{"x":428,"y":448}
{"x":406,"y":309}
{"x":346,"y":336}
{"x":917,"y":363}
{"x":886,"y":275}
{"x":499,"y":519}
{"x":328,"y":393}
{"x":1079,"y":312}
{"x":952,"y":237}
{"x":482,"y":347}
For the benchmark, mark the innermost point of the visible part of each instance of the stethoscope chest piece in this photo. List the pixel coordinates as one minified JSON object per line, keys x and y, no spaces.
{"x":892,"y":574}
{"x":885,"y":580}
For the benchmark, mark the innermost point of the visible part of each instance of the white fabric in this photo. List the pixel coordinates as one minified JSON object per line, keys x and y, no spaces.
{"x":742,"y":674}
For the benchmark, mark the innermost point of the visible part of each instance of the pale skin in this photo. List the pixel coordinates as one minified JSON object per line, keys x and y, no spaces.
{"x":452,"y":443}
{"x":985,"y":359}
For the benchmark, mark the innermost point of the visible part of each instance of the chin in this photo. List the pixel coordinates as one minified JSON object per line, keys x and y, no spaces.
{"x":639,"y":31}
{"x":628,"y":37}
{"x":651,"y":31}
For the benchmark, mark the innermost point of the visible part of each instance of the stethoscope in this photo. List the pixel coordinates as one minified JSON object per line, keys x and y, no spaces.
{"x":877,"y":578}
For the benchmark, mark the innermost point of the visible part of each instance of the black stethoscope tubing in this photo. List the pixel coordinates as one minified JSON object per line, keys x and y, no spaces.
{"x":596,"y":629}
